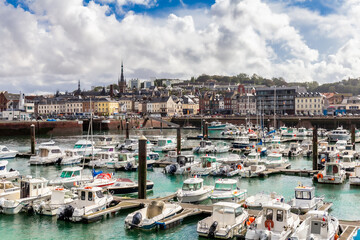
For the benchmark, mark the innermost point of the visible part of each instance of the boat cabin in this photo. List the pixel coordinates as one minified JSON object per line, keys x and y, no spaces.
{"x":274,"y":157}
{"x":206,"y":161}
{"x":319,"y":219}
{"x":105,"y":140}
{"x":88,"y":196}
{"x":83,"y":144}
{"x":304,"y":196}
{"x":332,"y":169}
{"x":3,"y":166}
{"x":164,"y":142}
{"x":225,"y":185}
{"x":193,"y":184}
{"x":125,"y":157}
{"x":129,"y":142}
{"x":8,"y":190}
{"x":182,"y":160}
{"x":32,"y":187}
{"x":71,"y":153}
{"x":276,"y":216}
{"x":226,"y":213}
{"x":105,"y":155}
{"x":58,"y":196}
{"x":4,"y":149}
{"x":49,"y":151}
{"x":204,"y":143}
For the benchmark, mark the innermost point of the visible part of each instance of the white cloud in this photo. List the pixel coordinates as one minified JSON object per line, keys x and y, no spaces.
{"x":63,"y":41}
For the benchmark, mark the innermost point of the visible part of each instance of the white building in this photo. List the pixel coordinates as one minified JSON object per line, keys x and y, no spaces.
{"x":309,"y":103}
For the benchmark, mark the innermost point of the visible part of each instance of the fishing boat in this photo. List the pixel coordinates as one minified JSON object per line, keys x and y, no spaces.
{"x":70,"y":177}
{"x":274,"y":160}
{"x":339,"y":134}
{"x":317,"y":225}
{"x":48,"y":155}
{"x":4,"y":173}
{"x":31,"y":189}
{"x":59,"y":197}
{"x":148,"y":217}
{"x":275,"y":221}
{"x":183,"y":165}
{"x":226,"y":222}
{"x":333,"y":173}
{"x":208,"y":164}
{"x":90,"y":200}
{"x":6,"y":153}
{"x":127,"y":186}
{"x":164,"y":145}
{"x":305,"y":200}
{"x":71,"y":157}
{"x":258,"y":200}
{"x":193,"y":190}
{"x":354,"y":178}
{"x":252,"y":171}
{"x":226,"y":190}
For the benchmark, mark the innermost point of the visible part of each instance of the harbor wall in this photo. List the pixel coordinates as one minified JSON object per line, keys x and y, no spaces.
{"x":10,"y":128}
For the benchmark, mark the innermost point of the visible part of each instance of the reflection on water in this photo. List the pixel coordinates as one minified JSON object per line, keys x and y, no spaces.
{"x":22,"y":226}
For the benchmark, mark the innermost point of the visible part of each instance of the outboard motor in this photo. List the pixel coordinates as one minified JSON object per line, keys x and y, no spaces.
{"x":289,"y":154}
{"x":136,"y":218}
{"x":172,"y":169}
{"x":67,"y":213}
{"x":12,"y":170}
{"x":128,"y":166}
{"x":58,"y":162}
{"x":212,"y":229}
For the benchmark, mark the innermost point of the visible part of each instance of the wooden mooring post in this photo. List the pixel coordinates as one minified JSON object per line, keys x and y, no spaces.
{"x":315,"y":147}
{"x":142,"y":168}
{"x":127,"y":134}
{"x":32,"y":133}
{"x":178,"y":141}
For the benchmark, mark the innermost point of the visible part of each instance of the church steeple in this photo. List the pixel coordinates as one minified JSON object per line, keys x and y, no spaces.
{"x":79,"y":86}
{"x":121,"y":81}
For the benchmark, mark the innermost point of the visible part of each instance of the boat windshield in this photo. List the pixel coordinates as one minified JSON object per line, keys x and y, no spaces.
{"x":274,"y":158}
{"x":251,"y":156}
{"x":69,"y":154}
{"x":82,"y":145}
{"x":302,"y":195}
{"x":2,"y":168}
{"x":161,"y":143}
{"x":5,"y":149}
{"x":66,"y":174}
{"x":191,"y":186}
{"x":122,"y":157}
{"x":44,"y":152}
{"x":224,"y":186}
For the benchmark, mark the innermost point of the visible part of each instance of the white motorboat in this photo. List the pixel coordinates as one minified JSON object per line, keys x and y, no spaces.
{"x":130,"y":144}
{"x":103,"y":141}
{"x":70,"y":177}
{"x":227,"y":221}
{"x":226,"y":190}
{"x":258,"y":200}
{"x":4,"y":173}
{"x":208,"y":165}
{"x":183,"y":165}
{"x":333,"y":173}
{"x":275,"y":221}
{"x":123,"y":160}
{"x":127,"y":186}
{"x":252,"y":171}
{"x":48,"y":155}
{"x":86,"y":148}
{"x":230,"y":159}
{"x":354,"y":178}
{"x":71,"y":157}
{"x":104,"y":159}
{"x":205,"y":147}
{"x":305,"y":200}
{"x":216,"y":125}
{"x":339,"y":134}
{"x":165,"y":145}
{"x":193,"y":190}
{"x":6,"y":153}
{"x":307,"y":148}
{"x":59,"y":197}
{"x":318,"y":225}
{"x":31,"y":189}
{"x":90,"y":200}
{"x":8,"y":191}
{"x":341,"y":145}
{"x":348,"y":161}
{"x":293,"y":150}
{"x":253,"y":158}
{"x":241,"y":142}
{"x":290,"y":132}
{"x":303,"y":132}
{"x":274,"y":160}
{"x":148,"y":217}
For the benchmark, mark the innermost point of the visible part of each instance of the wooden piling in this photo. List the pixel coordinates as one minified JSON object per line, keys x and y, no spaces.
{"x":32,"y":134}
{"x":142,"y":168}
{"x":315,"y":148}
{"x":178,"y":141}
{"x":127,"y":130}
{"x":206,"y":131}
{"x":203,"y":125}
{"x":353,"y":136}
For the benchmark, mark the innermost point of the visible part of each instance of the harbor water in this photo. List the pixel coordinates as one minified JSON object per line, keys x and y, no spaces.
{"x":24,"y":226}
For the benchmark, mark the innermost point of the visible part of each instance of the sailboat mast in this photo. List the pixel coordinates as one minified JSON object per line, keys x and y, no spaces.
{"x":274,"y":108}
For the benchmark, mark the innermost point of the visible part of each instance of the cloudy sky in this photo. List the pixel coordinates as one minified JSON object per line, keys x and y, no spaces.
{"x":48,"y":45}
